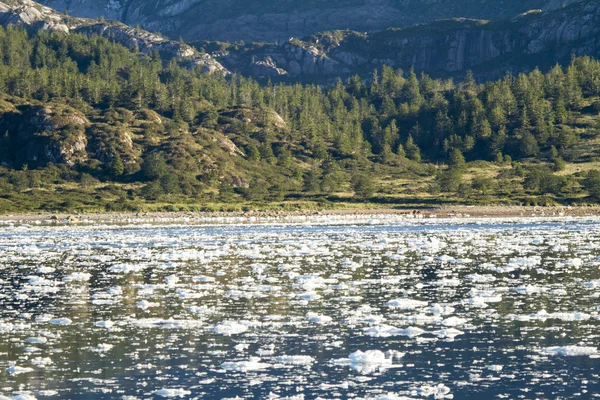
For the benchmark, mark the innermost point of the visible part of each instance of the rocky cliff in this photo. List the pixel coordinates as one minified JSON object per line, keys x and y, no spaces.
{"x":263,"y":20}
{"x":447,"y":47}
{"x":35,"y":16}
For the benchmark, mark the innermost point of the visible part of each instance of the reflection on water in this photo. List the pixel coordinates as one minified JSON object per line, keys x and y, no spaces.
{"x":504,"y":310}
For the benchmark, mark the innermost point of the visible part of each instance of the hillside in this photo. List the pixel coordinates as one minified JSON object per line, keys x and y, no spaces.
{"x":89,"y":125}
{"x":270,"y":21}
{"x":443,"y":48}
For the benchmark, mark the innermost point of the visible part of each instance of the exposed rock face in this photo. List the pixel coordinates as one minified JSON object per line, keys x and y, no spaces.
{"x":51,"y":134}
{"x":444,"y":47}
{"x":35,"y":16}
{"x":254,"y":20}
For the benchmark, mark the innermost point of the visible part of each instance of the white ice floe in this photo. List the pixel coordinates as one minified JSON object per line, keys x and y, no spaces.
{"x":104,"y":324}
{"x":37,"y":340}
{"x":16,"y":370}
{"x":454,"y":321}
{"x":104,"y":347}
{"x":439,"y":391}
{"x":406,"y":304}
{"x":543,"y":315}
{"x":388,"y":331}
{"x":77,"y":277}
{"x":172,"y":393}
{"x":126,"y":268}
{"x":570,"y":351}
{"x":230,"y":328}
{"x":253,"y":364}
{"x":318,"y":318}
{"x":449,"y":333}
{"x":23,"y":396}
{"x":60,"y":321}
{"x":145,"y":304}
{"x":295,"y":360}
{"x":366,"y":362}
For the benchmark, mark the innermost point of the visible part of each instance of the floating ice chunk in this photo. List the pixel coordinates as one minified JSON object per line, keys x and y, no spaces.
{"x":41,"y":362}
{"x":594,"y":284}
{"x":570,"y":351}
{"x":16,"y":370}
{"x":145,"y":304}
{"x":478,"y":278}
{"x":438,"y":309}
{"x":24,"y":396}
{"x":164,"y":323}
{"x":439,"y":391}
{"x":454,"y":321}
{"x":104,"y":347}
{"x":390,"y":396}
{"x":242,"y":347}
{"x":449,"y":333}
{"x":126,"y":268}
{"x":309,"y":296}
{"x":406,"y":304}
{"x":495,"y":368}
{"x":60,"y":321}
{"x":295,"y":360}
{"x":172,"y":393}
{"x":37,"y":340}
{"x":41,"y":281}
{"x":77,"y":277}
{"x":387,"y":331}
{"x":230,"y":328}
{"x":171,"y":280}
{"x":574,"y":262}
{"x":253,"y":364}
{"x":203,"y":279}
{"x":528,"y":290}
{"x":45,"y":270}
{"x":104,"y":324}
{"x":318,"y":318}
{"x":366,"y":362}
{"x":310,"y":282}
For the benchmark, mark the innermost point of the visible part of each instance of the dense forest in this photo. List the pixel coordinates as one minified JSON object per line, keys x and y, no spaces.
{"x":88,"y":123}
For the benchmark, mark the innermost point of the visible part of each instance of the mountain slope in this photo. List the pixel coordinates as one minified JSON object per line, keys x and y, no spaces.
{"x":490,"y":48}
{"x":267,"y":20}
{"x":36,"y":17}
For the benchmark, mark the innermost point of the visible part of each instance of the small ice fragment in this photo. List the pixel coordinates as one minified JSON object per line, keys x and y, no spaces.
{"x":171,"y":280}
{"x":406,"y":304}
{"x":37,"y":340}
{"x":295,"y":360}
{"x":570,"y":351}
{"x":172,"y":393}
{"x":230,"y":328}
{"x":104,"y":347}
{"x":366,"y":362}
{"x":318,"y":319}
{"x":16,"y":370}
{"x":104,"y":324}
{"x":60,"y":321}
{"x":253,"y":364}
{"x":77,"y":277}
{"x":145,"y":304}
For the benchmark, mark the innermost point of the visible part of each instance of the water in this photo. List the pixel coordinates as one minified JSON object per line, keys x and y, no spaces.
{"x":436,"y":309}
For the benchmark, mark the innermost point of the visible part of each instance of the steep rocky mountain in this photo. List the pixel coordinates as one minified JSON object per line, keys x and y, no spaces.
{"x":263,"y":20}
{"x":446,"y":47}
{"x":34,"y":16}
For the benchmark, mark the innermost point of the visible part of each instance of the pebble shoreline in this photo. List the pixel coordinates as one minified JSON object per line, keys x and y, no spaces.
{"x":440,"y":212}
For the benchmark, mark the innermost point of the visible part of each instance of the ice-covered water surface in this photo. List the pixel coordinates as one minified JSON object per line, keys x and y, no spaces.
{"x":376,"y":311}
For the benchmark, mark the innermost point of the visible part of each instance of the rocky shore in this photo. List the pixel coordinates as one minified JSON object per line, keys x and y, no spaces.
{"x":257,"y":216}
